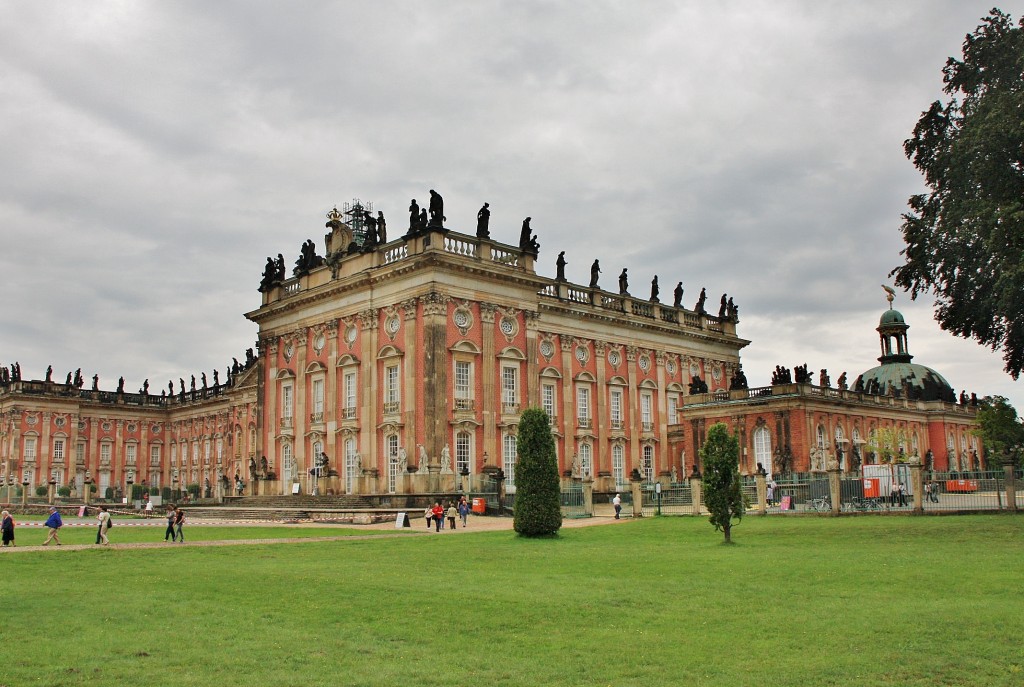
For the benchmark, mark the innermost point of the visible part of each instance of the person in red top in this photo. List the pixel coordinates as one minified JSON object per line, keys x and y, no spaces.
{"x":438,"y":512}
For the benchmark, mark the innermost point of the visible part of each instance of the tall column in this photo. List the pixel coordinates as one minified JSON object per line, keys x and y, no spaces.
{"x":330,"y":332}
{"x":662,"y":457}
{"x":301,"y":424}
{"x":917,"y":485}
{"x":568,"y":399}
{"x":696,"y":495}
{"x":435,"y":374}
{"x":602,"y":456}
{"x":369,"y":415}
{"x":835,"y":492}
{"x":44,"y":453}
{"x":532,"y":364}
{"x":633,"y":458}
{"x":490,"y":411}
{"x":410,"y":376}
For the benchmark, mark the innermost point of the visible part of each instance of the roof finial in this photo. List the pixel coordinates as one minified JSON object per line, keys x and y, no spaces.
{"x":890,"y":294}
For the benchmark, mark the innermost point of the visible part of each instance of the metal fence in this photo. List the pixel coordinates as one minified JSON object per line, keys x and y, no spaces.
{"x":966,"y":491}
{"x":676,"y":499}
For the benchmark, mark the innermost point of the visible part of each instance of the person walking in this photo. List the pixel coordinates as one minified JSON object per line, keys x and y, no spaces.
{"x":438,"y":512}
{"x":463,"y":510}
{"x":103,"y":518}
{"x":453,"y":513}
{"x":53,"y":523}
{"x":179,"y":521}
{"x":770,"y":493}
{"x":617,"y":502}
{"x":7,"y":528}
{"x":428,"y":513}
{"x":169,"y":532}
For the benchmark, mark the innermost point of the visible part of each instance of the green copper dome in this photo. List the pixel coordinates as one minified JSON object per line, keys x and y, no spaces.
{"x":924,"y":383}
{"x":890,"y":317}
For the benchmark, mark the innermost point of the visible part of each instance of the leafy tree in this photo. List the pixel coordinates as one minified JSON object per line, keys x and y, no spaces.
{"x":538,"y":509}
{"x":965,"y":237}
{"x":885,"y":443}
{"x":1000,"y":429}
{"x":723,"y":496}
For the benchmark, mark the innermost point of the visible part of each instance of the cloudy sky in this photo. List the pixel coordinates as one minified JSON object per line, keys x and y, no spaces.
{"x":155,"y":153}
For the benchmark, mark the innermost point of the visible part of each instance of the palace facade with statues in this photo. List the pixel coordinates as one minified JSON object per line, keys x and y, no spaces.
{"x":402,"y":366}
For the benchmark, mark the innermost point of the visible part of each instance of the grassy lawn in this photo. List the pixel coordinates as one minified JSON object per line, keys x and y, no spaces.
{"x":808,"y":601}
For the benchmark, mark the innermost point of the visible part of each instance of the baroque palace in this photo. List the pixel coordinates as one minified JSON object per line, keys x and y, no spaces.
{"x":402,"y":366}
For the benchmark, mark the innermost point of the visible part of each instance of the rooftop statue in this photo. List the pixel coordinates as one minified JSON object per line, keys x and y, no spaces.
{"x":677,"y":296}
{"x":723,"y":307}
{"x":524,"y":235}
{"x":436,"y":209}
{"x":595,"y":271}
{"x":560,"y":267}
{"x":382,"y":228}
{"x":623,"y":283}
{"x":414,"y":217}
{"x":483,"y":220}
{"x":655,"y":290}
{"x":701,"y":300}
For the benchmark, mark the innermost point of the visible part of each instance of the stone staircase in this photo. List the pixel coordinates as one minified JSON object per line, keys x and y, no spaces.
{"x":290,"y":508}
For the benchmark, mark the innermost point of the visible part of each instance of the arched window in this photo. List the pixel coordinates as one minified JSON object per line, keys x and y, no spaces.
{"x":391,"y":448}
{"x":586,"y":460}
{"x":463,"y":452}
{"x":351,"y":465}
{"x":763,"y":448}
{"x":508,"y":459}
{"x":841,"y":447}
{"x":821,"y":437}
{"x":287,"y":462}
{"x":648,"y":463}
{"x":619,"y":466}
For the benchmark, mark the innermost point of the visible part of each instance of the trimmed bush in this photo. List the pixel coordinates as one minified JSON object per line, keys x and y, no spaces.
{"x":64,"y":491}
{"x":41,"y":490}
{"x":193,"y":490}
{"x":538,"y":511}
{"x":108,"y":493}
{"x":165,"y":494}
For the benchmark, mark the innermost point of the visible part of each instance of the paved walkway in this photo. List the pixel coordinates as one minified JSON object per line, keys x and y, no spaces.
{"x":386,"y":529}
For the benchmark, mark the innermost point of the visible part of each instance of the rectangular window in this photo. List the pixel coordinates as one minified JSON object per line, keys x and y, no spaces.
{"x":318,"y":400}
{"x":547,"y":399}
{"x":195,"y":453}
{"x":508,"y":448}
{"x":615,"y":408}
{"x":350,"y":465}
{"x":462,"y":452}
{"x":30,"y":449}
{"x":154,"y":455}
{"x":349,"y":383}
{"x":510,"y":389}
{"x":583,"y":406}
{"x":130,"y":454}
{"x":287,"y":406}
{"x":646,"y":417}
{"x":673,"y":411}
{"x":58,"y":450}
{"x":207,"y":452}
{"x":105,"y":454}
{"x":463,"y":385}
{"x":618,"y":466}
{"x":220,"y":451}
{"x":80,"y":452}
{"x":392,"y":462}
{"x":174,"y":455}
{"x":391,"y":390}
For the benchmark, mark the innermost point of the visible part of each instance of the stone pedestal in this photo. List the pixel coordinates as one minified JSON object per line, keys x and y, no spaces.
{"x":1010,"y":480}
{"x":588,"y":496}
{"x":368,"y":481}
{"x":762,"y":491}
{"x":635,"y":488}
{"x":697,"y":493}
{"x":917,"y":486}
{"x":834,"y":490}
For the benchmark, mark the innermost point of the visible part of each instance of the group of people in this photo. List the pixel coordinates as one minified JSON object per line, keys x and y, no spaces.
{"x":435,"y":515}
{"x":175,"y":521}
{"x":54,"y":522}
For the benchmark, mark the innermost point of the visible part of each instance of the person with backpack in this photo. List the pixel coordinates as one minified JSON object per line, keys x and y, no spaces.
{"x":103,"y":518}
{"x":53,"y":523}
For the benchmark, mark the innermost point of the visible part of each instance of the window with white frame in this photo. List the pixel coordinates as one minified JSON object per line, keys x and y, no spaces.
{"x":648,"y":463}
{"x":195,"y":452}
{"x":392,"y":390}
{"x":287,"y":405}
{"x":463,"y":452}
{"x":673,"y":409}
{"x":586,"y":460}
{"x":615,"y":408}
{"x":583,"y":405}
{"x":30,"y":449}
{"x":508,"y":455}
{"x":349,"y":397}
{"x":391,"y":448}
{"x":207,"y":451}
{"x":80,"y":452}
{"x":510,"y":388}
{"x":287,"y":462}
{"x":174,"y":455}
{"x":763,"y":448}
{"x":105,"y":449}
{"x":318,"y":401}
{"x":841,"y":446}
{"x":619,"y":465}
{"x":154,"y":455}
{"x":821,"y":437}
{"x":220,"y":450}
{"x":463,"y":385}
{"x":547,"y":400}
{"x":130,"y":454}
{"x":646,"y":411}
{"x":351,"y":465}
{"x":58,"y":450}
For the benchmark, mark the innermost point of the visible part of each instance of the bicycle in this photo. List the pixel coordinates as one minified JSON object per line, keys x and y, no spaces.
{"x":821,"y":505}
